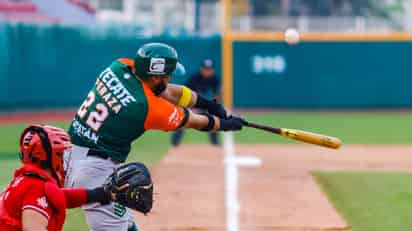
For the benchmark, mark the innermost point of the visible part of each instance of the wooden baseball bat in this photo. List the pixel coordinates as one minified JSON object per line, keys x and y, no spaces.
{"x":299,"y":135}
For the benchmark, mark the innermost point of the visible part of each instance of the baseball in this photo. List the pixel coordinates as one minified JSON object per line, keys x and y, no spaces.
{"x":292,"y":36}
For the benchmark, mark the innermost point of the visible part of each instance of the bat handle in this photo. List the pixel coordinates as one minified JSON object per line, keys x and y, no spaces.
{"x":245,"y":123}
{"x":262,"y":127}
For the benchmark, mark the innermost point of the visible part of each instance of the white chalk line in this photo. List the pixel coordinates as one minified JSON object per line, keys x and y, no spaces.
{"x":231,"y":182}
{"x":232,"y":179}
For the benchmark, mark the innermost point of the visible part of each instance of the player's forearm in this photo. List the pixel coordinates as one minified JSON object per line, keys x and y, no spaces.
{"x":179,"y":95}
{"x":207,"y":122}
{"x":33,"y":228}
{"x":184,"y":97}
{"x":33,"y":220}
{"x":202,"y":122}
{"x":30,"y":227}
{"x":75,"y":197}
{"x":78,"y":197}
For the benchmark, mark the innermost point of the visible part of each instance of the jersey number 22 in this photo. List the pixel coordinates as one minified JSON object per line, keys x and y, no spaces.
{"x":97,"y":116}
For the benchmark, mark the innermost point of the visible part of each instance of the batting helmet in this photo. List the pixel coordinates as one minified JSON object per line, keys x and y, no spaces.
{"x":44,"y":147}
{"x":155,"y":59}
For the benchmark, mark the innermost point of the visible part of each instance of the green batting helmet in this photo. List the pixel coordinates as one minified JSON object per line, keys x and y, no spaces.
{"x":155,"y":59}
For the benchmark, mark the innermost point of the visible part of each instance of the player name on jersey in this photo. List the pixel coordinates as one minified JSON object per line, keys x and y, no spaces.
{"x":84,"y":131}
{"x":112,"y":91}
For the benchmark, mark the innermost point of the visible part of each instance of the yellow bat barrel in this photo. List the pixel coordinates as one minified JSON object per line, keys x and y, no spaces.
{"x":312,"y":138}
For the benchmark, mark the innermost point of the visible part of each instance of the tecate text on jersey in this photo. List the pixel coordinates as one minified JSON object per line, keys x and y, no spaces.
{"x":112,"y":91}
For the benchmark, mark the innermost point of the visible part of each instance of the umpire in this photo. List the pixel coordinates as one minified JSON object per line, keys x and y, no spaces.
{"x":206,"y":83}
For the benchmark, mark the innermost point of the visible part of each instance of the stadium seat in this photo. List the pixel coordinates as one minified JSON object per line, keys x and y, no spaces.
{"x":30,"y":11}
{"x":23,"y":11}
{"x":85,"y":6}
{"x":28,"y":18}
{"x":17,"y":6}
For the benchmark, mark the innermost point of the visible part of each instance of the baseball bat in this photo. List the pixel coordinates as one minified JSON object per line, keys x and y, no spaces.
{"x":299,"y":135}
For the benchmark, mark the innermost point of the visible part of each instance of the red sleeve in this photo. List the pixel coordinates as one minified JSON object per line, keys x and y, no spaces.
{"x":35,"y":199}
{"x":75,"y":197}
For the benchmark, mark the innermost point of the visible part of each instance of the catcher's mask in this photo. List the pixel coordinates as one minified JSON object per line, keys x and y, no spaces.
{"x":44,"y":146}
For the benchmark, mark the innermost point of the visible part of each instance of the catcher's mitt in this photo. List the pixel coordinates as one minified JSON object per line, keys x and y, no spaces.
{"x":131,"y":186}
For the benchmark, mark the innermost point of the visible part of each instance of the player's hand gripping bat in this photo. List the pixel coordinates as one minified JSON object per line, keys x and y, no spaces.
{"x":304,"y":136}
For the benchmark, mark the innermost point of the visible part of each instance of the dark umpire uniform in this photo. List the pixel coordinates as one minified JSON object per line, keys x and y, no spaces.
{"x":206,"y":83}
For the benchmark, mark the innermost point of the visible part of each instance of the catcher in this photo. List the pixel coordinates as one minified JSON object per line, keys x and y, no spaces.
{"x":129,"y":98}
{"x":34,"y":200}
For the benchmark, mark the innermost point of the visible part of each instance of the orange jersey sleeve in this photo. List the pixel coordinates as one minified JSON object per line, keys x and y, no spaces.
{"x":127,"y":62}
{"x":163,"y":115}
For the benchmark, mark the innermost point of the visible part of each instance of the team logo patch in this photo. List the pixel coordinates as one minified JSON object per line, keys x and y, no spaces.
{"x":173,"y":116}
{"x":157,"y":66}
{"x":42,"y":202}
{"x":119,"y":210}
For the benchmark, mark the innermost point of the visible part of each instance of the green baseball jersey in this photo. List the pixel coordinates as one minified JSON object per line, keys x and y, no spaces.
{"x":119,"y":109}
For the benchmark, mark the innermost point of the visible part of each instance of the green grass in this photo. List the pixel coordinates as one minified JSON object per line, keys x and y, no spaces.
{"x":352,"y":128}
{"x":355,"y":128}
{"x":370,"y":201}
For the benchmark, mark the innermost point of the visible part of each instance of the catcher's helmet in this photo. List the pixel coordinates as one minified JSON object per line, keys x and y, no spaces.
{"x":44,"y":147}
{"x":155,"y":59}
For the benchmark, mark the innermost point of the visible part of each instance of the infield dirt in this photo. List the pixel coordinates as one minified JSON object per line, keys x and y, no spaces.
{"x":279,"y":195}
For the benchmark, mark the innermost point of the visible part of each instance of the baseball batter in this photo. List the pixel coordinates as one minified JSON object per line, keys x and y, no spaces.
{"x":129,"y":98}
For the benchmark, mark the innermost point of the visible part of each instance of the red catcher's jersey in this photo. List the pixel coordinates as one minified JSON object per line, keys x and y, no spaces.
{"x":27,"y":192}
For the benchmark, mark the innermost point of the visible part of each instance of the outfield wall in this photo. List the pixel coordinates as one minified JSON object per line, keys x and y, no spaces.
{"x":54,"y":66}
{"x":345,"y":74}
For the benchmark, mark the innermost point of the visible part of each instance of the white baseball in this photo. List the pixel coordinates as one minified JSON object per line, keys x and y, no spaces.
{"x":292,"y":36}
